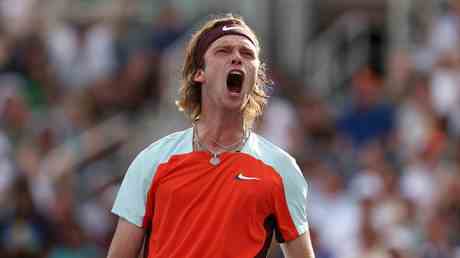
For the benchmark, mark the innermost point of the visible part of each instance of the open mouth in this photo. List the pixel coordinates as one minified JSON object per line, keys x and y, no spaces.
{"x":235,"y":81}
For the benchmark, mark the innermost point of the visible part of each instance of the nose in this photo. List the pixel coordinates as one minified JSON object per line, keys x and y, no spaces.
{"x":236,"y":61}
{"x":236,"y":58}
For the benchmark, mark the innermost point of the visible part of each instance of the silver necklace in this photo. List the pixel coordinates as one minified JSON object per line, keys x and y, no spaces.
{"x":215,"y":160}
{"x":235,"y":145}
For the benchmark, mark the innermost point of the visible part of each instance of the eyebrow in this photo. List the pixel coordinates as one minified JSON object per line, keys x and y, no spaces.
{"x":228,"y":45}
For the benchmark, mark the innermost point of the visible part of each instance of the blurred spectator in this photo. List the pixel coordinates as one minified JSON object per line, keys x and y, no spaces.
{"x":73,"y":244}
{"x":167,"y":28}
{"x":369,"y":117}
{"x":73,"y":241}
{"x":139,"y":80}
{"x":367,"y":181}
{"x":81,"y":51}
{"x":333,"y":210}
{"x":370,"y":239}
{"x":400,"y":67}
{"x":15,"y":113}
{"x":444,"y":91}
{"x":7,"y":174}
{"x":24,"y":232}
{"x":436,"y":243}
{"x":445,"y":30}
{"x":33,"y":63}
{"x":393,"y":215}
{"x":449,"y":201}
{"x":415,"y":117}
{"x":17,"y":15}
{"x":279,"y":123}
{"x":422,"y":176}
{"x":316,"y":125}
{"x":6,"y":50}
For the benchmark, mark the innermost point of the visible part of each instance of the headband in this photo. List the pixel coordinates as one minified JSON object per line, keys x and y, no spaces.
{"x":230,"y":27}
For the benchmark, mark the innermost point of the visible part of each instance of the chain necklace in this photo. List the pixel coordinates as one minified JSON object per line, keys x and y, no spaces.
{"x":215,"y":160}
{"x":235,"y":145}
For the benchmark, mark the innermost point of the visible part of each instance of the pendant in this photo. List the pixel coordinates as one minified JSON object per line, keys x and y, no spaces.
{"x":214,"y":160}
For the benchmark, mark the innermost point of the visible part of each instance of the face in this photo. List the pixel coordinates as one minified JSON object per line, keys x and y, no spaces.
{"x":231,"y":66}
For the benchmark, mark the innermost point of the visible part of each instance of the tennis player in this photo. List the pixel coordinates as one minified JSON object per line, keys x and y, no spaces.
{"x":216,"y":189}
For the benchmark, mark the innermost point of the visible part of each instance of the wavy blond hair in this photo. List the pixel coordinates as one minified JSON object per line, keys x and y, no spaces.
{"x":189,"y":100}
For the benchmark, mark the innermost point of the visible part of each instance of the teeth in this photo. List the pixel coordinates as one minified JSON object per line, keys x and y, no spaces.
{"x":236,"y":72}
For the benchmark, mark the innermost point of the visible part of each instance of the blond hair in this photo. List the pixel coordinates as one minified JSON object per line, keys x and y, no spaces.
{"x":190,"y":91}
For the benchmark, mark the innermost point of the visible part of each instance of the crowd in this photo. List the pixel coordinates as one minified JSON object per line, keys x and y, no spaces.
{"x":382,"y":160}
{"x":69,"y":93}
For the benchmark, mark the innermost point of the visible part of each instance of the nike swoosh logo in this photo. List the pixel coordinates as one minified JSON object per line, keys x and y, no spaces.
{"x":243,"y":177}
{"x":225,"y":28}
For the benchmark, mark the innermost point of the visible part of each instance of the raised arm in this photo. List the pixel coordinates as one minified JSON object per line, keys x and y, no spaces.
{"x":127,"y":240}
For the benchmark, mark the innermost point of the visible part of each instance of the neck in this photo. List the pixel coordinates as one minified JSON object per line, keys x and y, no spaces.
{"x":215,"y":132}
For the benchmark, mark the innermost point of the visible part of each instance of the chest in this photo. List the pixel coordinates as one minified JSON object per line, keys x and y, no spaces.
{"x":237,"y":183}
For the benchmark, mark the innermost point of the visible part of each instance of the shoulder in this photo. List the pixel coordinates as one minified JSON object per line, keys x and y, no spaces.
{"x":291,"y":184}
{"x":174,"y":143}
{"x":273,"y":155}
{"x":161,"y":150}
{"x":267,"y":151}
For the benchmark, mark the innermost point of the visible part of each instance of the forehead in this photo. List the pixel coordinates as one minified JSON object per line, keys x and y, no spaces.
{"x":233,"y":40}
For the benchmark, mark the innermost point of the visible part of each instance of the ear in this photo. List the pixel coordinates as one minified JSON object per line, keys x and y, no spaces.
{"x":199,"y":76}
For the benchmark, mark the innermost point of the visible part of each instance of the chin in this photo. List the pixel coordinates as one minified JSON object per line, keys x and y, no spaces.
{"x":233,"y":105}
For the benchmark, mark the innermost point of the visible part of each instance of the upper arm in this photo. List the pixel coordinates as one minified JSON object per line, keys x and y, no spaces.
{"x":131,"y":199}
{"x":290,"y":201}
{"x":130,"y":207}
{"x":127,"y":240}
{"x":300,"y":247}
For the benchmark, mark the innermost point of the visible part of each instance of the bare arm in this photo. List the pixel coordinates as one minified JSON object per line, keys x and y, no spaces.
{"x":127,"y":240}
{"x":300,"y":247}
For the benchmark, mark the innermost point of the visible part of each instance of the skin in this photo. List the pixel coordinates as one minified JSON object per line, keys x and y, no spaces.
{"x":127,"y":240}
{"x":221,"y":116}
{"x":300,"y":247}
{"x":221,"y":120}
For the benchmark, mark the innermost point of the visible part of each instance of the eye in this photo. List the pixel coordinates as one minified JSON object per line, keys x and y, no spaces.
{"x":248,"y":54}
{"x":222,"y":51}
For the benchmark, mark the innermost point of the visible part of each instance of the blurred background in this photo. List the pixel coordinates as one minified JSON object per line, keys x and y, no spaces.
{"x":366,"y":97}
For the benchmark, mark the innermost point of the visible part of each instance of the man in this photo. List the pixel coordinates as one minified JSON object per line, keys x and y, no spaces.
{"x":216,"y":189}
